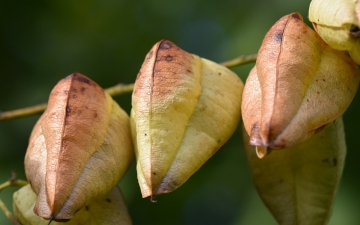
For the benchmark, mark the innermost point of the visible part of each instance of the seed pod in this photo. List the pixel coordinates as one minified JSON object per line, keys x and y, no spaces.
{"x":337,"y":22}
{"x":298,"y":86}
{"x":107,"y":210}
{"x":299,"y":184}
{"x":184,"y":109}
{"x":79,"y":149}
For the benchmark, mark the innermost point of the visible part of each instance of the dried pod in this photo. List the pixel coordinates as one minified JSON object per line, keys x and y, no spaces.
{"x":337,"y":22}
{"x":79,"y":149}
{"x":299,"y":184}
{"x":184,"y":109}
{"x":298,"y":86}
{"x":107,"y":210}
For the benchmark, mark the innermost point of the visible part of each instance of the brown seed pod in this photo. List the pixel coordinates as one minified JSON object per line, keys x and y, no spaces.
{"x":79,"y":149}
{"x":298,"y":86}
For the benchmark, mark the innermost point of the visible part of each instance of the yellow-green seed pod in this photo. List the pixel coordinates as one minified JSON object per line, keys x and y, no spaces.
{"x":184,"y":109}
{"x":337,"y":22}
{"x":298,"y":184}
{"x":107,"y":210}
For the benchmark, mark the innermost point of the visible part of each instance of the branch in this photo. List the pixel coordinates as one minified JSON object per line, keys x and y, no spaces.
{"x":116,"y":90}
{"x":18,"y":113}
{"x":12,"y":182}
{"x":241,"y":60}
{"x":15,"y":183}
{"x":8,"y":213}
{"x":120,"y":89}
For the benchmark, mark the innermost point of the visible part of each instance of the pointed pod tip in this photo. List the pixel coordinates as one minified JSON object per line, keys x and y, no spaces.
{"x":152,"y":199}
{"x":51,"y":219}
{"x":165,"y":44}
{"x":256,"y":138}
{"x":296,"y":15}
{"x":261,"y":151}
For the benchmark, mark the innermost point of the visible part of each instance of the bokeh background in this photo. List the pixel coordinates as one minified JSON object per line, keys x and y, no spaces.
{"x":41,"y":42}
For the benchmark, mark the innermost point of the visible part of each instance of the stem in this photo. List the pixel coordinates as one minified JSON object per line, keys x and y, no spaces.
{"x":15,"y":183}
{"x":18,"y":113}
{"x":8,"y":213}
{"x":241,"y":60}
{"x":116,"y":90}
{"x":12,"y":182}
{"x":120,"y":89}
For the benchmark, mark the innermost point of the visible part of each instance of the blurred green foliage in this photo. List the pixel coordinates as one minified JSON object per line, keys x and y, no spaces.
{"x":41,"y":42}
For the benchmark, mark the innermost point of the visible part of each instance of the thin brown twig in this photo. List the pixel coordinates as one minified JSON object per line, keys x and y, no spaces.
{"x":12,"y":182}
{"x":8,"y":213}
{"x":23,"y":112}
{"x":241,"y":60}
{"x":116,"y":90}
{"x":120,"y":89}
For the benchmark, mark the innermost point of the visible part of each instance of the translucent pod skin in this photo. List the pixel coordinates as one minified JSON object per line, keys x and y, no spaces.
{"x":184,"y":109}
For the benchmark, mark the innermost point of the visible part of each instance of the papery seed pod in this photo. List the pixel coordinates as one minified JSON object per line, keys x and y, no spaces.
{"x":337,"y":22}
{"x":107,"y":210}
{"x":79,"y":149}
{"x":184,"y":109}
{"x":298,"y":184}
{"x":298,"y":86}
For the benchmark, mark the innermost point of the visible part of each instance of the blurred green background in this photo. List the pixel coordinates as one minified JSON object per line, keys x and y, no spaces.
{"x":41,"y":42}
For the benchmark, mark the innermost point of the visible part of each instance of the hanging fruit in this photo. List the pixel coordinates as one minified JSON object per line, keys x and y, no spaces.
{"x":184,"y":109}
{"x":79,"y":149}
{"x":106,"y":210}
{"x":298,"y":86}
{"x":299,"y":183}
{"x":337,"y":22}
